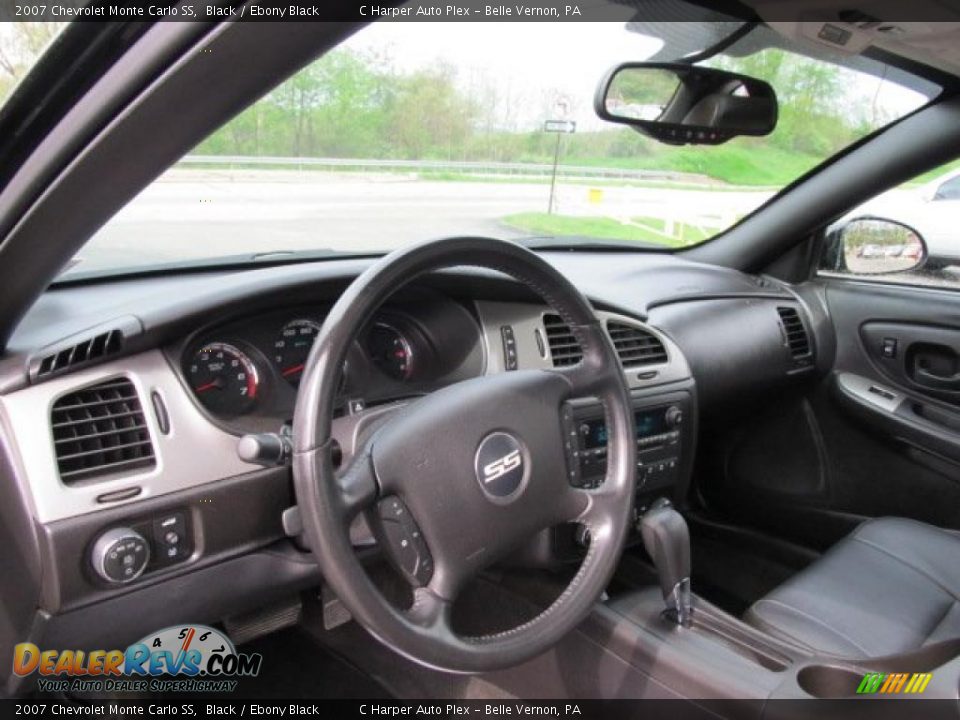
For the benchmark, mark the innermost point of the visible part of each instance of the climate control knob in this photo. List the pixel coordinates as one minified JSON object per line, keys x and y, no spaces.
{"x":673,"y":416}
{"x":120,"y":555}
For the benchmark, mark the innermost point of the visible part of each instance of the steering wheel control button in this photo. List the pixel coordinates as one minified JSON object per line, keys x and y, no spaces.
{"x":500,"y":467}
{"x":404,"y":542}
{"x":120,"y":555}
{"x":509,"y":347}
{"x":571,"y":446}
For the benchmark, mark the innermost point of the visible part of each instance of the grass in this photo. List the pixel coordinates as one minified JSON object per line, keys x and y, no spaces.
{"x":640,"y":229}
{"x":733,"y":164}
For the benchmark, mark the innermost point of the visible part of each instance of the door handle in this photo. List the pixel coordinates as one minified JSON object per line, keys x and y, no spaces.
{"x":934,"y":366}
{"x":937,"y":382}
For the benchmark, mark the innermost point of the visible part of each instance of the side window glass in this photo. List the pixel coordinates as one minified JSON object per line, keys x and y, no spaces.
{"x":908,"y":235}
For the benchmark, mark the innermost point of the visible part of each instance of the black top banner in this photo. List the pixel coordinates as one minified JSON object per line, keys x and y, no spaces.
{"x":427,"y":11}
{"x":313,"y":11}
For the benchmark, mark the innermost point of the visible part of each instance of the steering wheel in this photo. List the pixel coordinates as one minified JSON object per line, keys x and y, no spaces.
{"x":465,"y":474}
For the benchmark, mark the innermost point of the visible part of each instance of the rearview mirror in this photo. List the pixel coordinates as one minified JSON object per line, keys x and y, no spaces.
{"x":684,"y":104}
{"x":875,"y":246}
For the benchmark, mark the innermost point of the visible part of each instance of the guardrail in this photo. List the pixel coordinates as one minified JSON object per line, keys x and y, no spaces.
{"x":441,"y":166}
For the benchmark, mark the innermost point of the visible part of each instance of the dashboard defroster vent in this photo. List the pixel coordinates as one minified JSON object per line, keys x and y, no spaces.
{"x":100,"y":429}
{"x":564,"y":348}
{"x":796,"y":334}
{"x":635,"y":346}
{"x":94,"y":348}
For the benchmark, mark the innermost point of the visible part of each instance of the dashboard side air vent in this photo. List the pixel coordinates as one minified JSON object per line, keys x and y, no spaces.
{"x":635,"y":346}
{"x":100,"y":429}
{"x":93,"y":348}
{"x":795,"y":333}
{"x":564,"y":348}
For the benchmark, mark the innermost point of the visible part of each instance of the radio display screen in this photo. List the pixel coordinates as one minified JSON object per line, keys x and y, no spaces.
{"x":649,"y":422}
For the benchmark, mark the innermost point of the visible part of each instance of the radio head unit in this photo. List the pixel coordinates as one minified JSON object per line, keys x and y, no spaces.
{"x":659,"y":443}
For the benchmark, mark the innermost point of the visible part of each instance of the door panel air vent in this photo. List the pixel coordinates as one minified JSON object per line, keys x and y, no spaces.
{"x":635,"y":346}
{"x":564,"y":348}
{"x":99,"y":430}
{"x":796,"y":334}
{"x":94,"y":348}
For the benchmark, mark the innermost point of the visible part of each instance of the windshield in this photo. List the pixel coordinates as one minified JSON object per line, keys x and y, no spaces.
{"x":410,"y":131}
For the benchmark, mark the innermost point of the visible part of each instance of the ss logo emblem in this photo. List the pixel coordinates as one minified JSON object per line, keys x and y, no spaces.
{"x":501,"y":466}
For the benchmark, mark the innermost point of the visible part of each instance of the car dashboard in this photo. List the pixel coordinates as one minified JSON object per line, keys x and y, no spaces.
{"x":124,"y":432}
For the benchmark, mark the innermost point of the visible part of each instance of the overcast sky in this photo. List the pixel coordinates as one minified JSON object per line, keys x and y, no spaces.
{"x":528,"y":58}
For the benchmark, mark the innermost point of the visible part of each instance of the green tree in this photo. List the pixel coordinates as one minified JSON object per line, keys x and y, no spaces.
{"x":428,"y":116}
{"x":21,"y":45}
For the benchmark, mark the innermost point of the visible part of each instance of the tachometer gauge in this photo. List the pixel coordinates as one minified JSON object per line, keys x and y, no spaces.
{"x":223,"y":378}
{"x":293,"y":346}
{"x":390,"y":351}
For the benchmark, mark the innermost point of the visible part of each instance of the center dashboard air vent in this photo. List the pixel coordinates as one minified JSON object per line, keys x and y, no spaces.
{"x":635,"y":347}
{"x":99,"y":430}
{"x":564,"y":348}
{"x":796,"y":337}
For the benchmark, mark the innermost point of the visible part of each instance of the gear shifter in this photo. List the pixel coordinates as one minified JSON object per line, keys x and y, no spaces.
{"x":667,"y":540}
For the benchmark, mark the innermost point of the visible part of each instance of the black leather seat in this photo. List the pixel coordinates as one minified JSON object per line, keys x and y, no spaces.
{"x":891,"y":586}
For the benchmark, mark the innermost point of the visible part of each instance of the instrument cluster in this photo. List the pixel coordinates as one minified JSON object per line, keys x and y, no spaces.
{"x":232,"y":371}
{"x":245,"y":372}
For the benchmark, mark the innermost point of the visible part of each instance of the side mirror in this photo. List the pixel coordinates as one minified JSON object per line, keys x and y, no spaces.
{"x":684,"y":104}
{"x":875,"y":246}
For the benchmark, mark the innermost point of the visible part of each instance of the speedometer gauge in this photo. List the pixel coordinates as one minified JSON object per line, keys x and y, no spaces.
{"x":223,"y":378}
{"x":292,"y":348}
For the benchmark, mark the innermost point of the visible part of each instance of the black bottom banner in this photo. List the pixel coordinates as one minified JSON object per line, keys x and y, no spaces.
{"x":573,"y":709}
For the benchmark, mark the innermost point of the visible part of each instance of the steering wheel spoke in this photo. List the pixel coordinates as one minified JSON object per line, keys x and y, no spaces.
{"x":431,"y":612}
{"x":593,"y":507}
{"x":356,"y":486}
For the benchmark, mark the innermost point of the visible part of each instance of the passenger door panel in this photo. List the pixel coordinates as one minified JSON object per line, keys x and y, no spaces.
{"x":896,"y":385}
{"x":870,"y":439}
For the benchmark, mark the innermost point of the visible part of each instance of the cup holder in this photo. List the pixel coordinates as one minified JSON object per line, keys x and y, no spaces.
{"x":829,"y":681}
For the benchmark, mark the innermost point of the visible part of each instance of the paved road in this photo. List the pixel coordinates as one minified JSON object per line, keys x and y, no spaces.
{"x":193,"y":214}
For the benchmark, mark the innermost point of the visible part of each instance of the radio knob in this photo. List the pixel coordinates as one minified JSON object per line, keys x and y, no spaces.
{"x":674,"y":416}
{"x":120,"y":555}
